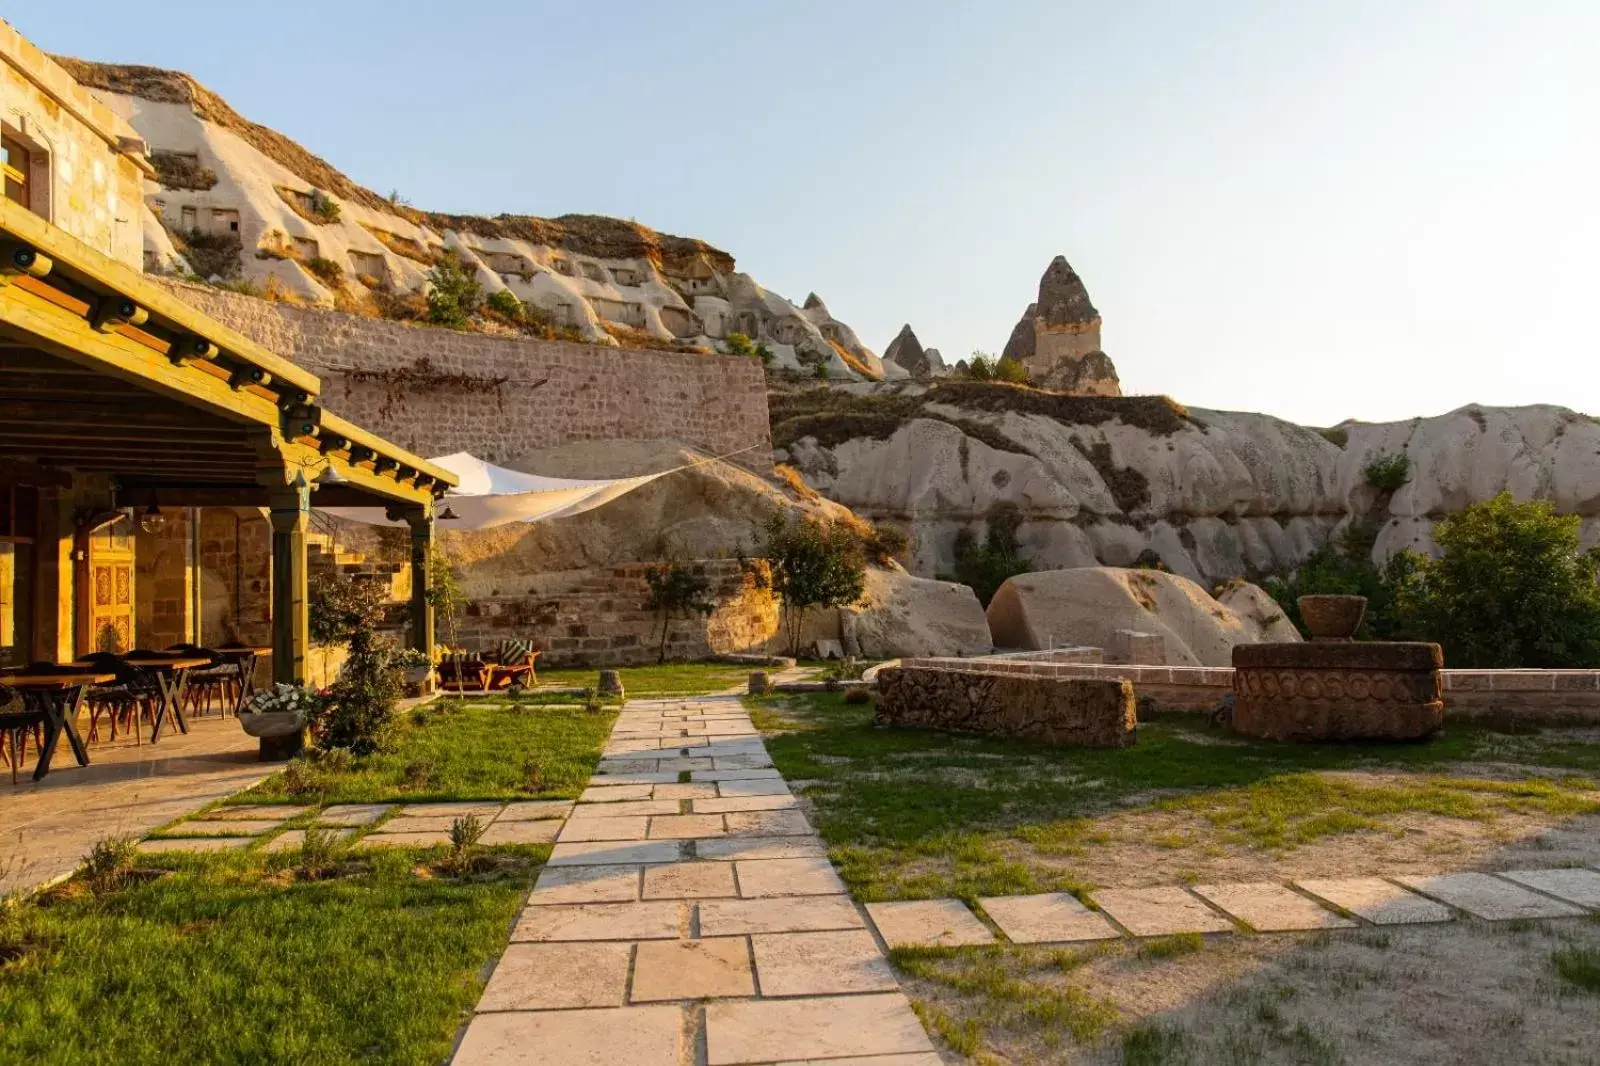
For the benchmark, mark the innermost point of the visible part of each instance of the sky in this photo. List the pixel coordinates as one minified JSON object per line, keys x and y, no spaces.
{"x":1370,"y":210}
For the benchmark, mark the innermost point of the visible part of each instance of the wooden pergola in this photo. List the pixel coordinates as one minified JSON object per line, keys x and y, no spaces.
{"x":107,"y":377}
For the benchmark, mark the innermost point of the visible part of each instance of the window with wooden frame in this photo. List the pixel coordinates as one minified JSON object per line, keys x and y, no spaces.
{"x":18,"y":166}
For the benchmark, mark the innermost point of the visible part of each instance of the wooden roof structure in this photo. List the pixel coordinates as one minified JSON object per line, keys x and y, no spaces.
{"x":104,"y":372}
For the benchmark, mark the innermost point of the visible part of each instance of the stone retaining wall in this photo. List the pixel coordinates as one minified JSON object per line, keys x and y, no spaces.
{"x":1085,"y":712}
{"x":1504,"y":696}
{"x":715,"y":403}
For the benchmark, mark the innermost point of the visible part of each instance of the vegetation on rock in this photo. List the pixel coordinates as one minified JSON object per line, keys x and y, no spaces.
{"x":812,"y":565}
{"x":174,"y":170}
{"x":454,"y":295}
{"x":1387,"y":473}
{"x":986,"y":567}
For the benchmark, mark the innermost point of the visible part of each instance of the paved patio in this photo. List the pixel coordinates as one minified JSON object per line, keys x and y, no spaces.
{"x":689,"y":914}
{"x":48,"y":826}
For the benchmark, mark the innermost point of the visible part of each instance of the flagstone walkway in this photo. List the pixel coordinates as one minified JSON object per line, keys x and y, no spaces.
{"x":689,"y":917}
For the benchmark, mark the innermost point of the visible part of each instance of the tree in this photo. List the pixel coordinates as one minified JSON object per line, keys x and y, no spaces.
{"x":986,"y":567}
{"x":453,"y":293}
{"x":1512,"y":588}
{"x":342,"y":610}
{"x":1011,"y":370}
{"x":676,"y":592}
{"x":982,"y":367}
{"x":812,"y":565}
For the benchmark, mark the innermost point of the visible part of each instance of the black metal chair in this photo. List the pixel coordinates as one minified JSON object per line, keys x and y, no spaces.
{"x":127,"y":700}
{"x":205,"y":682}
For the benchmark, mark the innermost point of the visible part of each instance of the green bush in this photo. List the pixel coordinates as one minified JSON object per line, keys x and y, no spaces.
{"x":1512,"y":588}
{"x":738,"y":344}
{"x":885,"y":544}
{"x":454,"y":295}
{"x":676,"y":591}
{"x":812,"y":565}
{"x":325,"y":208}
{"x":1387,"y":473}
{"x":175,"y":170}
{"x":1011,"y":370}
{"x":982,"y":367}
{"x":1336,"y":435}
{"x":1343,"y":566}
{"x":326,"y":270}
{"x":986,"y":567}
{"x":503,"y":303}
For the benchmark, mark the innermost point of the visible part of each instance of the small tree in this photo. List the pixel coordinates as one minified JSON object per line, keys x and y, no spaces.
{"x":504,"y":303}
{"x":1388,"y":472}
{"x":453,"y":293}
{"x":1011,"y":370}
{"x":676,"y":592}
{"x":1512,"y":588}
{"x":444,"y":591}
{"x":344,"y":611}
{"x":987,"y":566}
{"x":982,"y":367}
{"x":812,"y":565}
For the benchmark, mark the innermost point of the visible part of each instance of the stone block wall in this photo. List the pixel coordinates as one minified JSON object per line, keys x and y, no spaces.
{"x":601,"y":619}
{"x":715,"y":403}
{"x":1084,"y":712}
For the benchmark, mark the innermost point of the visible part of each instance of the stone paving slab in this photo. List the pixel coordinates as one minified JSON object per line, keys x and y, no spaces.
{"x":1575,"y":886}
{"x":602,"y":793}
{"x":254,"y":811}
{"x":928,"y":923}
{"x":797,"y":914}
{"x":431,"y":839}
{"x":766,"y":1030}
{"x":686,"y":791}
{"x":353,"y":813}
{"x":530,"y":810}
{"x":504,"y":832}
{"x":606,"y":853}
{"x":624,"y":809}
{"x":294,"y":839}
{"x":585,"y":884}
{"x":231,"y":827}
{"x":760,"y":878}
{"x":744,"y":762}
{"x":1160,"y":911}
{"x":626,"y":1036}
{"x":682,"y":764}
{"x":689,"y":880}
{"x":404,"y":824}
{"x":736,"y":804}
{"x":633,"y":777}
{"x":1047,"y":919}
{"x":760,"y":848}
{"x":167,"y":844}
{"x":1378,"y":901}
{"x":1268,"y":907}
{"x":552,"y":976}
{"x":693,"y":969}
{"x":1489,"y":897}
{"x":814,"y":964}
{"x":931,"y":1058}
{"x":451,"y":811}
{"x":686,"y":826}
{"x":768,"y":824}
{"x":737,"y":775}
{"x":601,"y":921}
{"x":587,"y":829}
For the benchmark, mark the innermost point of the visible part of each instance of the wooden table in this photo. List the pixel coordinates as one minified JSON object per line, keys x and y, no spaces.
{"x":172,"y":675}
{"x":57,"y":698}
{"x":246,"y":659}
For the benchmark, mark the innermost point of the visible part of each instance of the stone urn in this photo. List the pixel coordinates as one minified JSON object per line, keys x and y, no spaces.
{"x":282,"y":733}
{"x":1332,"y":618}
{"x":760,"y":683}
{"x":610,"y":684}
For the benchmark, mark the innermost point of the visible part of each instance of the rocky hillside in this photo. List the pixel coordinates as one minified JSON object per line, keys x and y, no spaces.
{"x":242,"y":203}
{"x":1117,"y":480}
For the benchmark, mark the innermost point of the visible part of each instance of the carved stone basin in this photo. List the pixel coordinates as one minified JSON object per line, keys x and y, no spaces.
{"x":1372,"y":690}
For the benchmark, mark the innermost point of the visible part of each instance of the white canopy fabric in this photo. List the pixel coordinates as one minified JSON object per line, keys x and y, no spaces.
{"x":490,"y":495}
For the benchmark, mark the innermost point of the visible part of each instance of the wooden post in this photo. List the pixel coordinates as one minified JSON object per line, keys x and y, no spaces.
{"x":54,"y":579}
{"x":291,"y":634}
{"x":421,"y":522}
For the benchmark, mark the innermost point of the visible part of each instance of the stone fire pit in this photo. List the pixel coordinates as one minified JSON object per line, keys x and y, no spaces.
{"x":1370,"y":690}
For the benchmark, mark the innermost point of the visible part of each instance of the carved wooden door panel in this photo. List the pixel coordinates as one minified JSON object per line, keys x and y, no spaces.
{"x":110,"y":592}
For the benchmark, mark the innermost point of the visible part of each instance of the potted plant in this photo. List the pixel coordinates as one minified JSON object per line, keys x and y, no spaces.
{"x":278,"y":718}
{"x":414,"y":666}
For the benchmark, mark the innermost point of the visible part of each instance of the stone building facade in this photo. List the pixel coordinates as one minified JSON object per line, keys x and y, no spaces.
{"x":437,"y":391}
{"x":68,"y":158}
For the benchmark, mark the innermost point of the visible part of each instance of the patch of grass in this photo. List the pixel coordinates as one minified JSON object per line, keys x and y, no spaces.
{"x":1152,"y":1044}
{"x":1171,"y":947}
{"x":223,"y":960}
{"x":668,"y":679}
{"x":1578,"y":967}
{"x":459,"y":752}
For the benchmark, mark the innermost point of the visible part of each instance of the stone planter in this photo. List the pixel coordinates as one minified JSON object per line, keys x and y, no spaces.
{"x":1332,"y":617}
{"x":417,"y":680}
{"x":282,"y":733}
{"x":1338,"y":691}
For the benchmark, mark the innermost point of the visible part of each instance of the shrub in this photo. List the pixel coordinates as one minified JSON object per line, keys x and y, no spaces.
{"x":1011,"y":370}
{"x":885,"y":544}
{"x":465,"y":833}
{"x":174,"y":170}
{"x":454,"y":295}
{"x":822,"y":371}
{"x":109,"y":862}
{"x":325,"y":208}
{"x":675,"y":592}
{"x":986,"y":567}
{"x":1343,"y":566}
{"x":1388,"y":472}
{"x":857,"y":695}
{"x":327,"y":271}
{"x":212,"y":255}
{"x":981,"y":368}
{"x":359,"y":715}
{"x":502,"y":302}
{"x":1513,"y":587}
{"x":738,"y":344}
{"x":1336,"y":435}
{"x":318,"y":851}
{"x":338,"y":606}
{"x":812,"y":565}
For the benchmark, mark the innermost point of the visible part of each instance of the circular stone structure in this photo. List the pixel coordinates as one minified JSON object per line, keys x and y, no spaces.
{"x":1325,"y":691}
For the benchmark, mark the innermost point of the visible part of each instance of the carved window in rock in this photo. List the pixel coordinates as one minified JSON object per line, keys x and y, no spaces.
{"x":625,"y":276}
{"x":189,"y":219}
{"x":716,"y":325}
{"x":748,"y":323}
{"x":367,"y":265}
{"x":594,"y":272}
{"x":627,"y":314}
{"x":563,"y":267}
{"x":305,"y":248}
{"x":679,"y":321}
{"x":787,"y":331}
{"x":224,"y":220}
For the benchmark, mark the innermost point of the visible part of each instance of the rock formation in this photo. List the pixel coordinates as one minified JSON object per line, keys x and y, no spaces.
{"x":1065,"y":353}
{"x":1091,"y":606}
{"x":907,"y":353}
{"x":905,"y":615}
{"x":1019,"y":346}
{"x":244,"y":203}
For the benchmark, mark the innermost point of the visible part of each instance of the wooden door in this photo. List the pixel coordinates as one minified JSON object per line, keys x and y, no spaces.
{"x":109,"y":596}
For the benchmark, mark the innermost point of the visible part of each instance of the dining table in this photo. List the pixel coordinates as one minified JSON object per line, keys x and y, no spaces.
{"x":171,"y":673}
{"x":55,"y":699}
{"x":246,"y":659}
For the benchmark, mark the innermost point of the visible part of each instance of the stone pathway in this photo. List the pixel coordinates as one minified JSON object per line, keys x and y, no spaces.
{"x":689,"y":917}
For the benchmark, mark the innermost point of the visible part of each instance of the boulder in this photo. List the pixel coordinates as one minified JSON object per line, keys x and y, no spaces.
{"x":914,"y":616}
{"x":1087,"y":606}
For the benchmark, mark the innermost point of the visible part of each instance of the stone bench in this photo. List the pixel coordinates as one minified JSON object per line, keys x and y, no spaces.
{"x":1083,"y":712}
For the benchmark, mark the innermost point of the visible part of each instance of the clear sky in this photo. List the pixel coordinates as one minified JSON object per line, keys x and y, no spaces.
{"x":1372,"y":209}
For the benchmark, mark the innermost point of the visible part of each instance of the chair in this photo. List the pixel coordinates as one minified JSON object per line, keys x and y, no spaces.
{"x":513,"y":662}
{"x":128,"y":699}
{"x":459,"y":672}
{"x":205,"y":682}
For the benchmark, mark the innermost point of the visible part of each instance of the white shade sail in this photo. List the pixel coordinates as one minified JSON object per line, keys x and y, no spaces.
{"x":490,"y":495}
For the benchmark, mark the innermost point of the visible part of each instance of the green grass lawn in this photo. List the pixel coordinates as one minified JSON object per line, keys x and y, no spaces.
{"x":668,"y":679}
{"x":227,"y":959}
{"x":450,"y":750}
{"x":919,"y":814}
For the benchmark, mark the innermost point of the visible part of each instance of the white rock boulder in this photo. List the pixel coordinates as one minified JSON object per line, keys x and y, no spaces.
{"x":903,"y":615}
